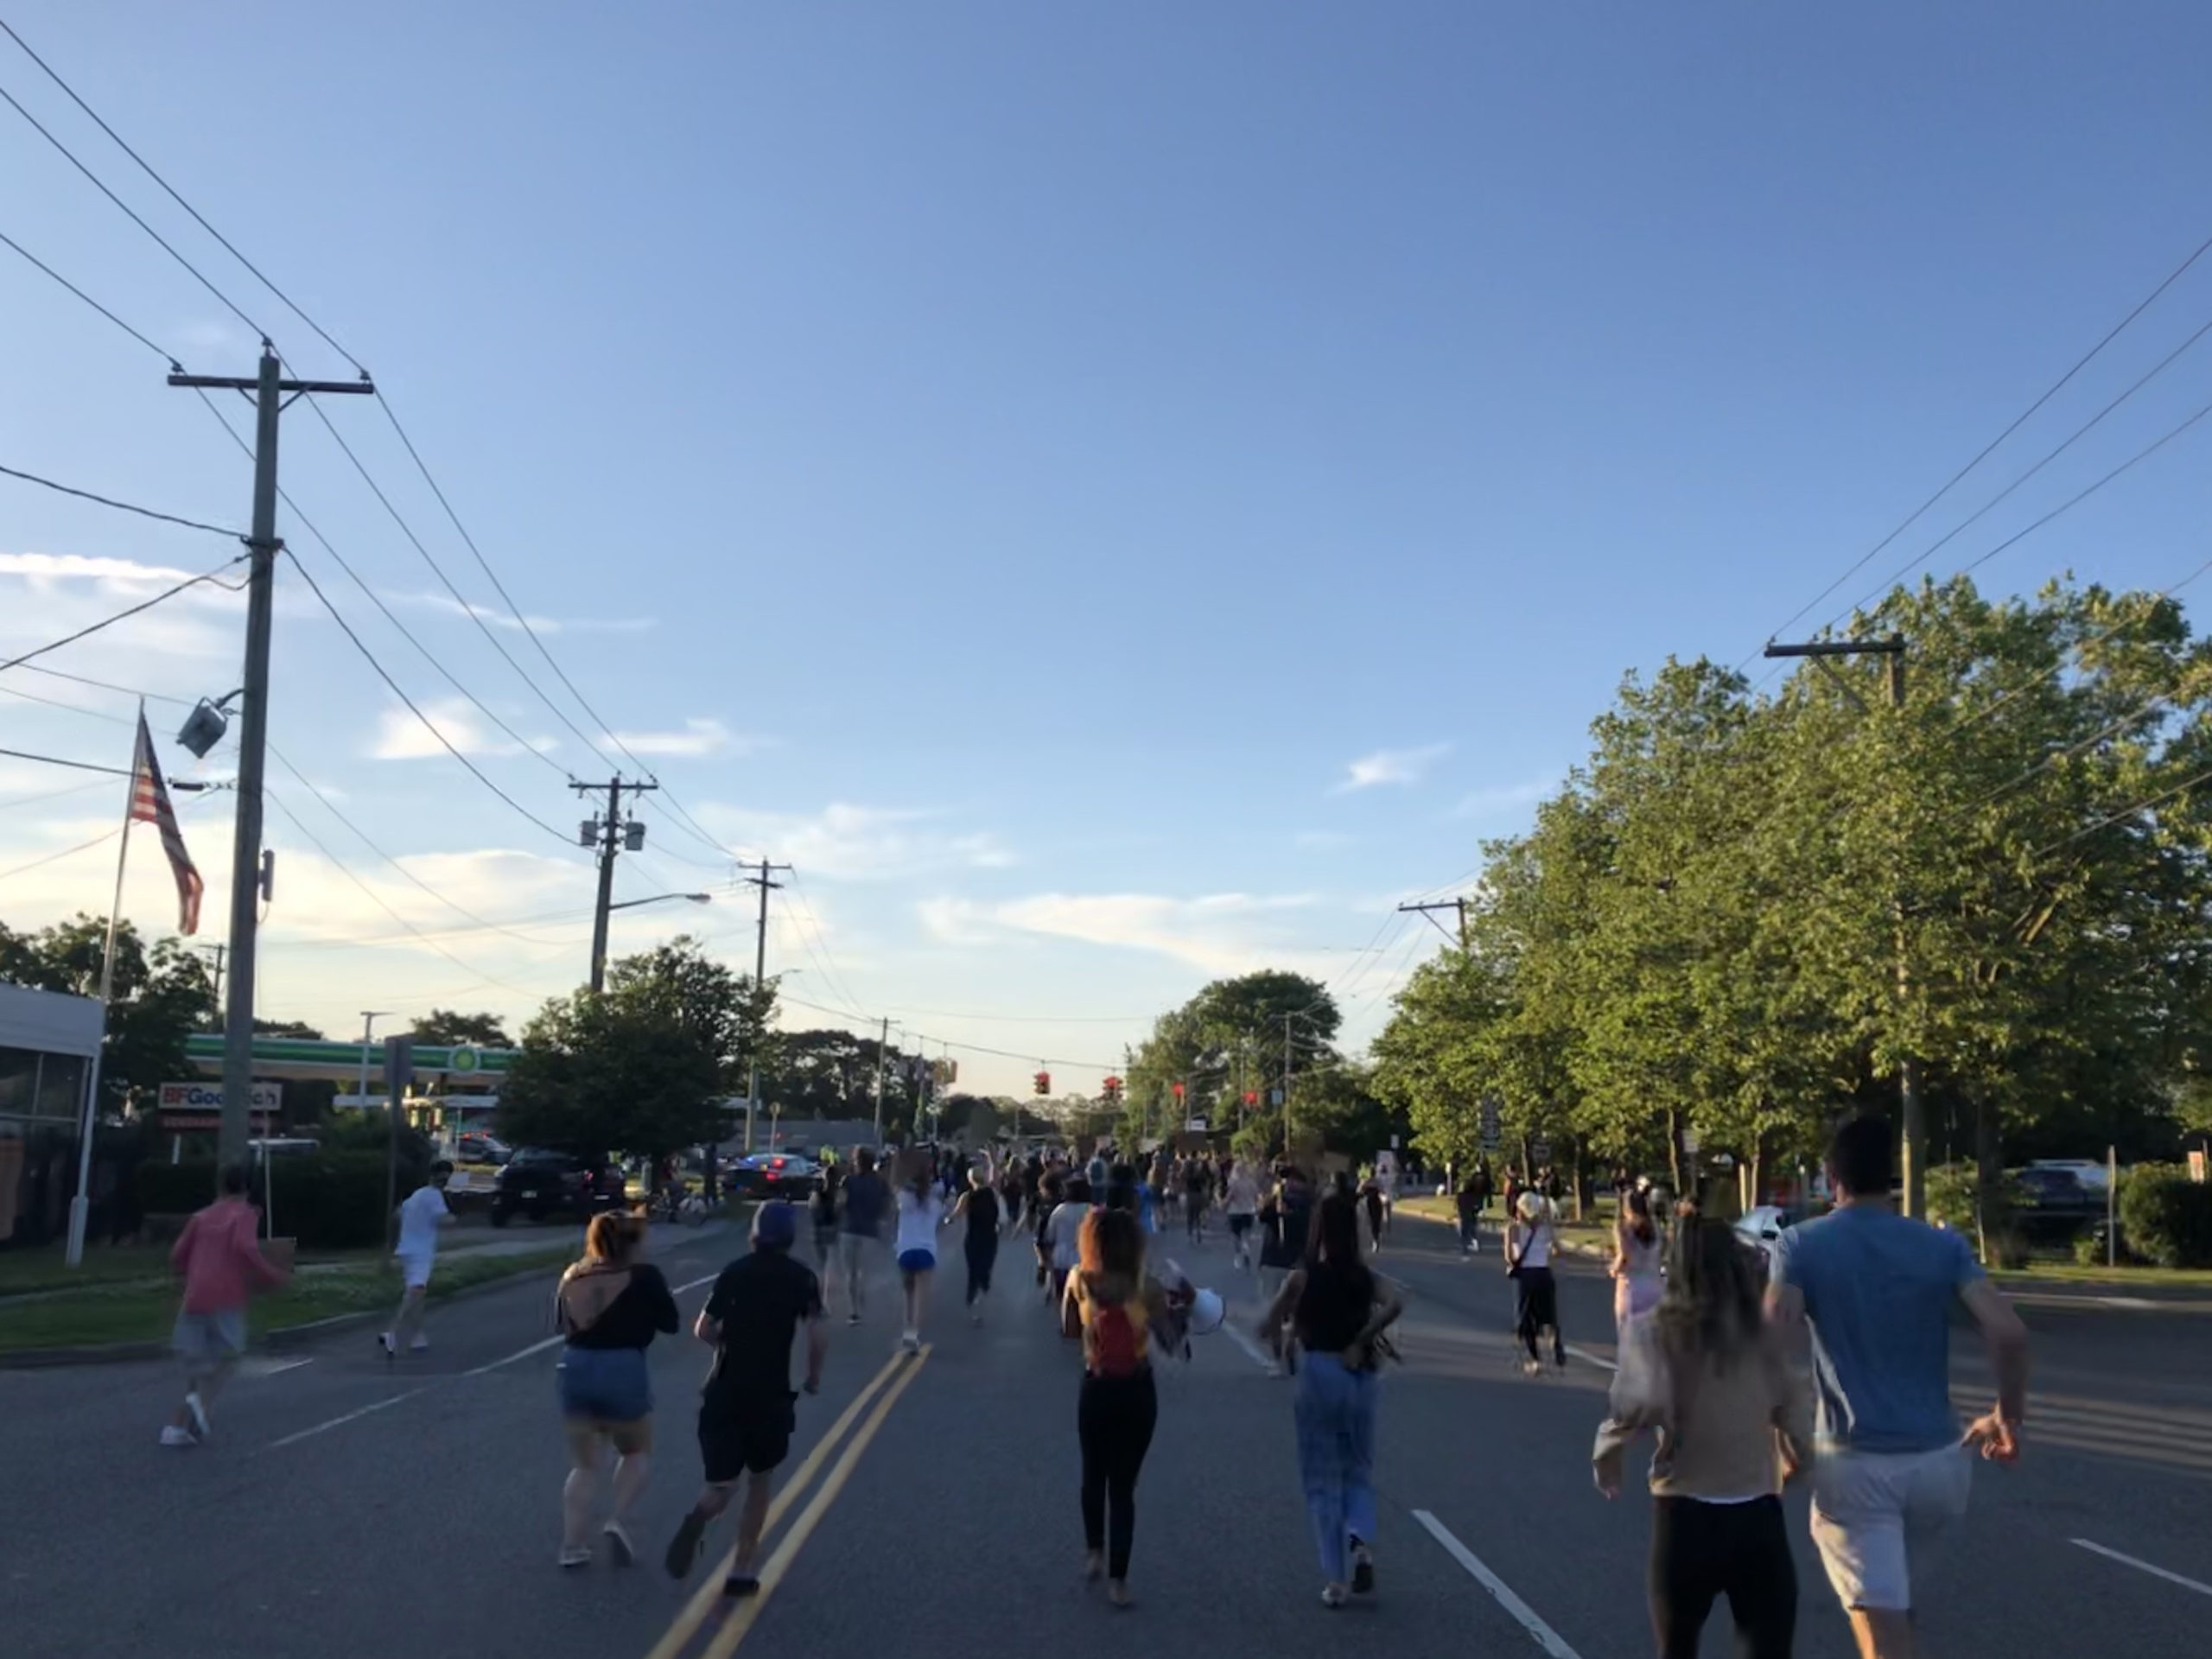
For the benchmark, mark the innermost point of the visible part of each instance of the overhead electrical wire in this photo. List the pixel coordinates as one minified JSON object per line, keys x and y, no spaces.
{"x":2159,"y":799}
{"x":1990,"y":449}
{"x":175,"y":366}
{"x":52,"y":795}
{"x":120,"y":507}
{"x":213,"y":576}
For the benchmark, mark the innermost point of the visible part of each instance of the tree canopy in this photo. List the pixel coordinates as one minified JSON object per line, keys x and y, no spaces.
{"x":162,"y":995}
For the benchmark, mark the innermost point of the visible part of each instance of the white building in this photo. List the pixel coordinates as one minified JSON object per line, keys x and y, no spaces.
{"x":47,"y":1042}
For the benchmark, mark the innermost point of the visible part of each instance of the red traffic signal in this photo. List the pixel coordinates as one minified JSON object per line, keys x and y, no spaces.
{"x":1044,"y":1083}
{"x":1111,"y":1088}
{"x":1179,"y":1092}
{"x":1251,"y":1097}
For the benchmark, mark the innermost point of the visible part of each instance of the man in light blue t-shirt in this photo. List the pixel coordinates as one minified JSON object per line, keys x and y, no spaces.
{"x":1894,"y":1469}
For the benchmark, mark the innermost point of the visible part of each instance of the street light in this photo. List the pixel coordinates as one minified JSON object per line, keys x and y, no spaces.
{"x":599,"y":932}
{"x":661,"y":898}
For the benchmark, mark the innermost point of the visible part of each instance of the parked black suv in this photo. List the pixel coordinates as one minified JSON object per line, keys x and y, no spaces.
{"x":541,"y":1183}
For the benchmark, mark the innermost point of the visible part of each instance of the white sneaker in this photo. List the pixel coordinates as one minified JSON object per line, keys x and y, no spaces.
{"x":420,"y":1345}
{"x":199,"y":1410}
{"x":172,"y":1435}
{"x":910,"y":1341}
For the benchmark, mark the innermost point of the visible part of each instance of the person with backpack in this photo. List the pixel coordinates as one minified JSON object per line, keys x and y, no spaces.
{"x":1339,"y":1307}
{"x":1117,"y":1406}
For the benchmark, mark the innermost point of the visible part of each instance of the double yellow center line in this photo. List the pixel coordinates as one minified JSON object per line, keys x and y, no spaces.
{"x":902,"y":1367}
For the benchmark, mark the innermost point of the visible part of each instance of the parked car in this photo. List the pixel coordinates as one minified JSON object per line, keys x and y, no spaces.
{"x":774,"y":1175}
{"x":538,"y":1182}
{"x":2090,"y":1172}
{"x":473,"y":1147}
{"x":1759,"y":1228}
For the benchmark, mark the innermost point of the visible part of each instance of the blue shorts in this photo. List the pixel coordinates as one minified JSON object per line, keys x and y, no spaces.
{"x":917,"y":1260}
{"x":608,"y":1385}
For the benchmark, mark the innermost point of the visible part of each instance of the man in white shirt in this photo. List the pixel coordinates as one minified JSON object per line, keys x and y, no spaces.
{"x":423,"y":1212}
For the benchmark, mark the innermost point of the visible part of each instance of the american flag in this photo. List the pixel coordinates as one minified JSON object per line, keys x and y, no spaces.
{"x":150,"y":804}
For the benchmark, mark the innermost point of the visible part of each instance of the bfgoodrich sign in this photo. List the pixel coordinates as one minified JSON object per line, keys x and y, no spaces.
{"x":189,"y":1107}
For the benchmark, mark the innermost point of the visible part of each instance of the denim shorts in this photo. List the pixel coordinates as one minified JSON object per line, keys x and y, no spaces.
{"x":609,"y":1385}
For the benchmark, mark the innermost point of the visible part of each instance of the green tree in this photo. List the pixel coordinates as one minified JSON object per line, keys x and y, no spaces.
{"x":161,"y":995}
{"x":445,"y":1028}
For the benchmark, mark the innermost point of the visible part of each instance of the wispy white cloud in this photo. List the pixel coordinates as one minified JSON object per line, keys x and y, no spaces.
{"x":699,"y":736}
{"x":1390,"y":766}
{"x":1500,"y":799}
{"x":491,"y":616}
{"x":400,"y":736}
{"x":77,"y":566}
{"x":1220,"y":933}
{"x":848,"y":842}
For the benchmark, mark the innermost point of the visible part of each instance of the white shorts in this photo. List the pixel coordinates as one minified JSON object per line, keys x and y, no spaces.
{"x":415,"y":1270}
{"x":1879,"y":1518}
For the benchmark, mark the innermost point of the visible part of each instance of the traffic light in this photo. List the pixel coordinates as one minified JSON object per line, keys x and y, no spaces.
{"x":1111,"y":1089}
{"x":1251,"y":1097}
{"x":1044,"y":1083}
{"x":1178,"y":1093}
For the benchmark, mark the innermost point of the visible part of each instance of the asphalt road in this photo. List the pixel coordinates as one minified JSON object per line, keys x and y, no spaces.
{"x":346,"y":1508}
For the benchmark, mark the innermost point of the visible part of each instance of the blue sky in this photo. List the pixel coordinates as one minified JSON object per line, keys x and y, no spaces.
{"x":1116,"y":495}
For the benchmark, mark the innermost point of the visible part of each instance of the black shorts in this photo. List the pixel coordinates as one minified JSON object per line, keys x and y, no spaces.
{"x":738,"y":1436}
{"x":1239,"y":1225}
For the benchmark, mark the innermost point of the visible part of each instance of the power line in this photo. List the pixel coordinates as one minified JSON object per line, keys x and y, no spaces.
{"x":2055,"y":387}
{"x":53,"y":75}
{"x":2186,"y":785}
{"x":84,"y":846}
{"x":199,"y":277}
{"x":121,"y":616}
{"x":521,"y":742}
{"x":920,"y":1037}
{"x":109,"y":501}
{"x":52,"y":795}
{"x":41,"y":264}
{"x":56,"y":760}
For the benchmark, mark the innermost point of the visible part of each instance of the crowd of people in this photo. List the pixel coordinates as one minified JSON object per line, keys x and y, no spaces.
{"x":1713,"y":1344}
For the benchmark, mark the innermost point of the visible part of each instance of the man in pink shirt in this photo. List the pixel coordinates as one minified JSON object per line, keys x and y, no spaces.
{"x":220,"y":1256}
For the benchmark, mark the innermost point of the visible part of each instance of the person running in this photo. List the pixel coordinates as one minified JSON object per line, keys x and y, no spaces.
{"x":1097,"y":1172}
{"x":1530,"y":1243}
{"x":822,"y":1209}
{"x":1198,"y":1198}
{"x":1636,"y":1248}
{"x":1118,"y":1407}
{"x":219,"y":1256}
{"x":1371,"y":1198}
{"x":1893,"y":1473}
{"x":1336,"y":1306}
{"x":423,"y":1212}
{"x":1734,"y":1422}
{"x":979,"y":1207}
{"x":868,"y":1201}
{"x":609,"y":1306}
{"x":921,"y":1212}
{"x":1064,"y":1231}
{"x":1044,"y":1198}
{"x":751,"y":1317}
{"x":1241,"y":1202}
{"x":1469,"y":1201}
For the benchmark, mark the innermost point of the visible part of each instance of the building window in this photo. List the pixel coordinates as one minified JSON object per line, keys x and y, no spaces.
{"x":60,"y":1087}
{"x":18,"y":1082}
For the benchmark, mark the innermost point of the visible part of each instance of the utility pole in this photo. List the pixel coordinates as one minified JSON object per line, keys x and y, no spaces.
{"x":218,"y":951}
{"x":759,"y":975}
{"x":611,"y":834}
{"x":269,"y":393}
{"x":1911,"y":1108}
{"x":1459,"y":904}
{"x":882,"y":1048}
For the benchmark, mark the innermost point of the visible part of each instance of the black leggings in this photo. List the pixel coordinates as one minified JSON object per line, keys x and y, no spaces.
{"x":982,"y":1253}
{"x":1701,"y":1551}
{"x":1114,"y":1418}
{"x":1537,"y":1299}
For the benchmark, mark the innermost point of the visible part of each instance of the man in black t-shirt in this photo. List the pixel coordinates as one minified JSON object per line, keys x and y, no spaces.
{"x":751,"y":1317}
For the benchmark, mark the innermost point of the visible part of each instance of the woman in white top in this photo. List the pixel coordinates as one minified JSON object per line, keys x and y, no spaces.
{"x":1530,"y":1243}
{"x":1242,"y":1199}
{"x":1064,"y":1232}
{"x":1636,"y":1281}
{"x":921,"y":1212}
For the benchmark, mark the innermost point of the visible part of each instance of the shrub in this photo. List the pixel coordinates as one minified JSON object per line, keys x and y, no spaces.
{"x":2165,"y":1218}
{"x":167,"y":1189}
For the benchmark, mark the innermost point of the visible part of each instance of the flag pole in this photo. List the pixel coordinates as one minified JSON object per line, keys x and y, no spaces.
{"x":81,"y":1206}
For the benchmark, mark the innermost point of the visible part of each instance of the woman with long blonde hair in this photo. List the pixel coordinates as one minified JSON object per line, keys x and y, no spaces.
{"x":609,"y":1306}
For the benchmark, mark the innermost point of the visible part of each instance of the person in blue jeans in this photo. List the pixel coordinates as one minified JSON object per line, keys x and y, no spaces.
{"x":1337,"y":1307}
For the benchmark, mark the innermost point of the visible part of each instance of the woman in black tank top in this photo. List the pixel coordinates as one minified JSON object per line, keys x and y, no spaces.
{"x":980,"y":1204}
{"x":1339,"y":1306}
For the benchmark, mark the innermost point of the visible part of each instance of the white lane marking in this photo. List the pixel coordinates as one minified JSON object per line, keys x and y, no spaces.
{"x":336,"y":1422}
{"x":554,"y":1342}
{"x":1260,"y":1355}
{"x":2142,"y":1567}
{"x":1546,"y":1639}
{"x":258,"y":1366}
{"x":1595,"y":1359}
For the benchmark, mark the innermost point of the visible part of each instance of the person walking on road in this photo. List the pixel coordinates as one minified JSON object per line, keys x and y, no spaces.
{"x":1469,"y":1201}
{"x":1118,"y":1406}
{"x":1530,"y":1242}
{"x":868,"y":1203}
{"x":1241,"y":1203}
{"x":1893,"y":1470}
{"x":921,"y":1212}
{"x":1286,"y":1221}
{"x":979,"y":1208}
{"x":423,"y":1212}
{"x":821,"y":1206}
{"x":609,"y":1306}
{"x":219,"y":1256}
{"x":746,"y":1420}
{"x":1734,"y":1421}
{"x":1064,"y":1232}
{"x":1636,"y":1248}
{"x":1339,"y":1306}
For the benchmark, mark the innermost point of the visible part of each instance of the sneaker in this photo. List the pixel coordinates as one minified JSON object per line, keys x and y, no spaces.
{"x":574,"y":1555}
{"x":172,"y":1435}
{"x":618,"y":1544}
{"x":683,"y":1549}
{"x":739,"y":1584}
{"x":194,"y":1404}
{"x":420,"y":1345}
{"x":853,"y":1317}
{"x":390,"y":1347}
{"x":1363,"y":1569}
{"x":1332,"y":1596}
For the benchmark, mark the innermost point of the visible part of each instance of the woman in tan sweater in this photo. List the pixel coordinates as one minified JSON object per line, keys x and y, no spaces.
{"x":1733,"y":1422}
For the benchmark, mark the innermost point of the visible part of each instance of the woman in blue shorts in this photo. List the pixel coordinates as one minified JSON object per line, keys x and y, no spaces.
{"x":921,"y":1212}
{"x":609,"y":1306}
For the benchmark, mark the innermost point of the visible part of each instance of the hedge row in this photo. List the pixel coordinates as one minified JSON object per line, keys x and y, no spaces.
{"x":328,"y":1200}
{"x":2166,"y":1217}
